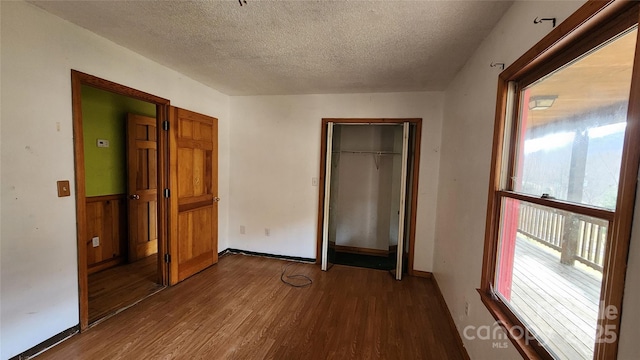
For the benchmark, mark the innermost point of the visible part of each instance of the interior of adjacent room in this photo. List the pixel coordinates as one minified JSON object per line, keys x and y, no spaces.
{"x":122,"y":249}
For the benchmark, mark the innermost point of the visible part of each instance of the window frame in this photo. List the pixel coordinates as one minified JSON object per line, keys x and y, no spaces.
{"x":591,"y":25}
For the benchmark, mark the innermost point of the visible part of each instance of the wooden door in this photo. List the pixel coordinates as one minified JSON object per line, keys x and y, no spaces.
{"x":142,"y":186}
{"x":193,"y":143}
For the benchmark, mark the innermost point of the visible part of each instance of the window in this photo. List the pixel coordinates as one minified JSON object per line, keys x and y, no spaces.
{"x":563,"y":187}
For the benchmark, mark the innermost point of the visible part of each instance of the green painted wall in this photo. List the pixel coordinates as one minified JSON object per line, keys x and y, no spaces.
{"x":104,"y":116}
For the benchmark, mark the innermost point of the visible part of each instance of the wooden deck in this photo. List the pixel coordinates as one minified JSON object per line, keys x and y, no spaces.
{"x":559,"y":302}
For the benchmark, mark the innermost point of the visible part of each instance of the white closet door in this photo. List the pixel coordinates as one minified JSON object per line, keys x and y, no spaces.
{"x":403,"y":194}
{"x":327,"y":200}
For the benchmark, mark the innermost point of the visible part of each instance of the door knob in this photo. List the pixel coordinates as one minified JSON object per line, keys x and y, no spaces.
{"x":216,"y":199}
{"x":134,"y":197}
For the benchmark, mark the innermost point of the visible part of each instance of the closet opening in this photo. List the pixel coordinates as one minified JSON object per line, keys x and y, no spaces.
{"x":368,"y":193}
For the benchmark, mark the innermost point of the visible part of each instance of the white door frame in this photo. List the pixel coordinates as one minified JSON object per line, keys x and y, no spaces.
{"x":327,"y":197}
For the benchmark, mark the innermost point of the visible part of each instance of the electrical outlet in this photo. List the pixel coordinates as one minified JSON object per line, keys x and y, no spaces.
{"x":466,"y":308}
{"x":242,"y":229}
{"x":102,"y":143}
{"x":95,"y":241}
{"x":314,"y":181}
{"x":267,"y":232}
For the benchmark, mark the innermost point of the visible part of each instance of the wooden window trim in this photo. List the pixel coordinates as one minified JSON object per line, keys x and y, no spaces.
{"x":590,"y":25}
{"x":586,"y":210}
{"x":508,"y":321}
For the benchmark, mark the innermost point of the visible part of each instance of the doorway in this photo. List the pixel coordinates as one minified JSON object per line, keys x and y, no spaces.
{"x":368,"y":193}
{"x":120,"y":148}
{"x":120,"y":156}
{"x":174,"y":180}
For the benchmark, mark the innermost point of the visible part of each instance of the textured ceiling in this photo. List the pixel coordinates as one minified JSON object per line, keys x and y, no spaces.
{"x":296,"y":47}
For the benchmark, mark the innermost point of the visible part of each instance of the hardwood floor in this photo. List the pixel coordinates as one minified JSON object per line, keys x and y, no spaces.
{"x":239,"y":309}
{"x":121,"y":286}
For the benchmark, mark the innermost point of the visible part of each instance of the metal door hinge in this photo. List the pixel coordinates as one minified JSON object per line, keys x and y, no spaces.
{"x":165,"y":125}
{"x":167,"y":193}
{"x":167,"y":258}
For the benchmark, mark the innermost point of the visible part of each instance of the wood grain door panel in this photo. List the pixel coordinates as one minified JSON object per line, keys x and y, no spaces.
{"x":194,"y":186}
{"x":194,"y":254}
{"x":142,"y":186}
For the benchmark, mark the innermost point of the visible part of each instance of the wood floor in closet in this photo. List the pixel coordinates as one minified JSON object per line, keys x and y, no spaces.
{"x":240,"y":309}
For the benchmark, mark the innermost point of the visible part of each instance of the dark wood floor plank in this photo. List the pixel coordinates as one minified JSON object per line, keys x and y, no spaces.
{"x":239,"y":309}
{"x":121,"y":286}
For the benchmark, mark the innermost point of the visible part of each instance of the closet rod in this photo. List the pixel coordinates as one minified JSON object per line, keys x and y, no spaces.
{"x":369,"y":123}
{"x":367,"y":152}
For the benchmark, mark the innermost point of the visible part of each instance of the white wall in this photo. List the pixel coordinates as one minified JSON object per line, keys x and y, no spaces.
{"x":275,"y":152}
{"x":464,"y":174}
{"x":39,"y":296}
{"x":366,"y":199}
{"x":628,"y":347}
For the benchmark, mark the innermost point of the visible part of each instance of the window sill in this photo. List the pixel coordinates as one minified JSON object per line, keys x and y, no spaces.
{"x":512,"y":329}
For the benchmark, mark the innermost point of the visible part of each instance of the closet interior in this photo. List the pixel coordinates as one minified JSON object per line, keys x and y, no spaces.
{"x":369,"y":183}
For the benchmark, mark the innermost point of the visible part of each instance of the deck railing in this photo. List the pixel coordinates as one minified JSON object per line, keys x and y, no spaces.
{"x":549,"y":226}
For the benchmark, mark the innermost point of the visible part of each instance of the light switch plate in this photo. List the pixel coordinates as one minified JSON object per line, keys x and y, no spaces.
{"x":63,"y":188}
{"x":95,"y":241}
